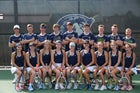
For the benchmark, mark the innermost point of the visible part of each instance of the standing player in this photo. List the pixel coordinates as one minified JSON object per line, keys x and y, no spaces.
{"x":101,"y":37}
{"x":56,"y":35}
{"x":69,"y":36}
{"x":128,"y":38}
{"x":86,"y":35}
{"x":128,"y":66}
{"x":45,"y":60}
{"x":101,"y":62}
{"x":32,"y":58}
{"x":42,"y":36}
{"x":115,"y":36}
{"x":58,"y":62}
{"x":87,"y":59}
{"x":29,"y":37}
{"x":18,"y":61}
{"x":72,"y":63}
{"x":15,"y":39}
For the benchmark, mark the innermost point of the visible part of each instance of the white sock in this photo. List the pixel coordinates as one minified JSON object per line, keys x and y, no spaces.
{"x":15,"y":76}
{"x":30,"y":84}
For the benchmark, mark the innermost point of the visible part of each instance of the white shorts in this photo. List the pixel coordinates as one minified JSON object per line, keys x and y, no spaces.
{"x":58,"y":64}
{"x":134,"y":70}
{"x":29,"y":69}
{"x":119,"y":68}
{"x":90,"y":68}
{"x":14,"y":69}
{"x":76,"y":68}
{"x":40,"y":67}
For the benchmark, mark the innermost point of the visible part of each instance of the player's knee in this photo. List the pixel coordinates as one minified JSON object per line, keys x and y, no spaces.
{"x":127,"y":74}
{"x":19,"y":72}
{"x":33,"y":73}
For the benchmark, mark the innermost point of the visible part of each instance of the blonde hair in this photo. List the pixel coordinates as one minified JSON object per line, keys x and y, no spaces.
{"x":114,"y":25}
{"x":113,"y":42}
{"x":29,"y":25}
{"x":128,"y":29}
{"x":101,"y":25}
{"x":128,"y":45}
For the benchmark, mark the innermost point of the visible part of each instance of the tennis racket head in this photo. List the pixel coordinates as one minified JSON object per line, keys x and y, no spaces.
{"x":72,"y":80}
{"x":110,"y":83}
{"x":48,"y":83}
{"x":61,"y":81}
{"x":124,"y":80}
{"x":37,"y":80}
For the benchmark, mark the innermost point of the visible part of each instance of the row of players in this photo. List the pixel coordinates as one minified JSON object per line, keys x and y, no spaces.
{"x":70,"y":36}
{"x":58,"y":60}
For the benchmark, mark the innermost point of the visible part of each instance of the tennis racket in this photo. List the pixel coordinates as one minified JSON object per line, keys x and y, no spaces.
{"x":61,"y":81}
{"x":81,"y":80}
{"x":37,"y":79}
{"x":110,"y":81}
{"x":48,"y":83}
{"x":71,"y":80}
{"x":47,"y":80}
{"x":124,"y":79}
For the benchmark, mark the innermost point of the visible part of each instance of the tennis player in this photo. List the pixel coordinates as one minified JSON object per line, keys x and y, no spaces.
{"x":18,"y":61}
{"x":45,"y":60}
{"x":87,"y":59}
{"x":55,"y":35}
{"x":58,"y":62}
{"x":115,"y":64}
{"x":32,"y":58}
{"x":29,"y":37}
{"x":101,"y":63}
{"x":72,"y":63}
{"x":70,"y":36}
{"x":128,"y":66}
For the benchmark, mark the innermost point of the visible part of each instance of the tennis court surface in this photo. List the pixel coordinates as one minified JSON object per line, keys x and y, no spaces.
{"x":6,"y":86}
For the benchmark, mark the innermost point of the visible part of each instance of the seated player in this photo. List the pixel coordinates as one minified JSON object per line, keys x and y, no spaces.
{"x":45,"y":60}
{"x":58,"y":62}
{"x":101,"y":62}
{"x":114,"y":63}
{"x":87,"y":59}
{"x":128,"y":66}
{"x":32,"y":58}
{"x":18,"y":61}
{"x":72,"y":63}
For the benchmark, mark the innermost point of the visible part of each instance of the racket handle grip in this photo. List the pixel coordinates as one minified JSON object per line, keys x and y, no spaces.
{"x":37,"y":65}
